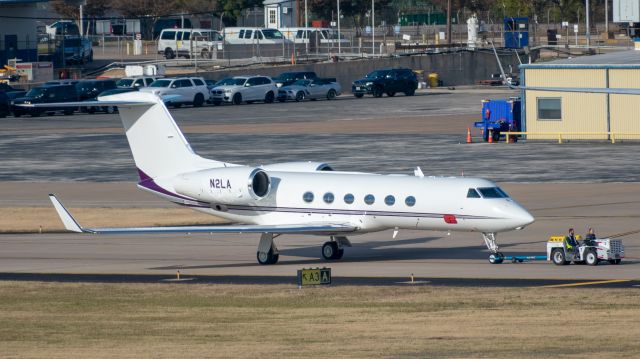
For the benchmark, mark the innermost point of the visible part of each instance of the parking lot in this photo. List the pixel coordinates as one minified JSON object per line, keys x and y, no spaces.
{"x":387,"y":135}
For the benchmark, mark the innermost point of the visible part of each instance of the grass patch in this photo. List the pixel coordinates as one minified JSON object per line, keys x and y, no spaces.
{"x":170,"y":320}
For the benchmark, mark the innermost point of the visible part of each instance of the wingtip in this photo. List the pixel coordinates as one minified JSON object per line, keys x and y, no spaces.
{"x":67,"y":220}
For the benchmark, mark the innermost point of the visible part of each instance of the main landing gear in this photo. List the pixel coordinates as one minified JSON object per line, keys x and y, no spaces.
{"x":268,"y":252}
{"x":334,"y":249}
{"x":496,"y":257}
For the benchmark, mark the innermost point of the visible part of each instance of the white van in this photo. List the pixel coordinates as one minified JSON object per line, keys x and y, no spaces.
{"x":253,"y":35}
{"x":189,"y":42}
{"x":301,"y":35}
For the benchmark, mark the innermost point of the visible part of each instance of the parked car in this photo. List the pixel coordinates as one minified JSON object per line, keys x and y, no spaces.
{"x":77,"y":49}
{"x":45,"y":94}
{"x":136,"y":81}
{"x":188,"y":42}
{"x":287,"y":78}
{"x":88,"y":90}
{"x":188,"y":90}
{"x":389,"y":81}
{"x":5,"y":104}
{"x":253,"y":35}
{"x":312,"y":89}
{"x":6,"y":87}
{"x":244,"y":89}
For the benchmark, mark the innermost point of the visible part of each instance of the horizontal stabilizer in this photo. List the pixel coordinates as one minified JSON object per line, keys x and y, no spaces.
{"x":311,"y":228}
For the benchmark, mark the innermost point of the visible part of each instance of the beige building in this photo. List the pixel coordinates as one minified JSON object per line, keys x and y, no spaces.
{"x":574,"y":114}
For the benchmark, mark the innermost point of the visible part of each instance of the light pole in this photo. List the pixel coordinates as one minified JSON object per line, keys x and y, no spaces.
{"x":373,"y":28}
{"x":339,"y":37}
{"x":588,"y":33}
{"x":306,"y":27}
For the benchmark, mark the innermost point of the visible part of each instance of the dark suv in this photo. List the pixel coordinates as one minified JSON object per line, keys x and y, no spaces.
{"x":387,"y":81}
{"x":45,"y":94}
{"x":90,"y":89}
{"x":287,"y":78}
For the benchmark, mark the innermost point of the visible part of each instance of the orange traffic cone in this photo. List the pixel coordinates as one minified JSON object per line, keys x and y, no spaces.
{"x":490,"y":136}
{"x":469,"y":135}
{"x":293,"y":57}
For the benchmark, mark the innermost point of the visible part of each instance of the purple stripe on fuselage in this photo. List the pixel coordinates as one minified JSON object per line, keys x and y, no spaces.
{"x":148,"y":183}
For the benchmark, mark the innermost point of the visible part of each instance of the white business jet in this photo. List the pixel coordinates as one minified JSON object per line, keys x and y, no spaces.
{"x":298,"y":197}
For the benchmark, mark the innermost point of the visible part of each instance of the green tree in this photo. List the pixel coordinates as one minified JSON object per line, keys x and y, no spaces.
{"x":70,"y":9}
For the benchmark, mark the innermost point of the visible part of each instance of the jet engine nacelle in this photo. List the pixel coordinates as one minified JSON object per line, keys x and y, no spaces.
{"x":298,"y":167}
{"x":227,"y":185}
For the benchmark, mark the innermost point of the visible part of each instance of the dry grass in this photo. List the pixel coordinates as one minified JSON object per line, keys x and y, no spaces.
{"x":174,"y":320}
{"x":31,"y":219}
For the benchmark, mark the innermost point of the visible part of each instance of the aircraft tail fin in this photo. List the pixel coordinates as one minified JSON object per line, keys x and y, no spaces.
{"x":158,"y":146}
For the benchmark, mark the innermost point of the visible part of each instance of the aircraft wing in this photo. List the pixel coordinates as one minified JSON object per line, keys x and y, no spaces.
{"x":311,"y":228}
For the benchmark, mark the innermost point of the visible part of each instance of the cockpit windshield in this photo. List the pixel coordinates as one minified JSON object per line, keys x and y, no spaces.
{"x":492,"y":192}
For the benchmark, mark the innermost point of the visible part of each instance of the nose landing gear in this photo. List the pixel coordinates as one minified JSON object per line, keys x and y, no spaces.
{"x":496,"y":257}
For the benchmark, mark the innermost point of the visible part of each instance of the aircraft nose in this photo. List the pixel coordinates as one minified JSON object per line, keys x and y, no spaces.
{"x":523,"y":218}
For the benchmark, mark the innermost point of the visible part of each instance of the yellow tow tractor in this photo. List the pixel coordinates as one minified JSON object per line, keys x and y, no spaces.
{"x":589,"y":252}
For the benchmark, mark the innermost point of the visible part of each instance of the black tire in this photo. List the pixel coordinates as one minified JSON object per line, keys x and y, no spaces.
{"x":329,"y":250}
{"x":339,"y":254}
{"x":377,"y":91}
{"x":90,"y":56}
{"x":169,"y":54}
{"x":358,"y":95}
{"x":269,"y":97}
{"x":68,"y":112}
{"x":558,"y":257}
{"x":177,"y":105}
{"x":331,"y":95}
{"x":496,"y":258}
{"x":35,"y":114}
{"x":267,"y":258}
{"x":237,"y":99}
{"x":496,"y":136}
{"x":91,"y":110}
{"x":391,"y":93}
{"x":410,"y":92}
{"x":198,"y":100}
{"x":17,"y":114}
{"x":299,"y":96}
{"x":217,"y":102}
{"x":110,"y":109}
{"x":615,"y":261}
{"x":591,"y":258}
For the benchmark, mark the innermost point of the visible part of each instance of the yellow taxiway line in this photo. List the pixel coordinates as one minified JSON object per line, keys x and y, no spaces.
{"x":585,"y":283}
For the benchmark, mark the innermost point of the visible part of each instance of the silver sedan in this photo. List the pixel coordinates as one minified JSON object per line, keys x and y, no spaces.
{"x":310,"y":89}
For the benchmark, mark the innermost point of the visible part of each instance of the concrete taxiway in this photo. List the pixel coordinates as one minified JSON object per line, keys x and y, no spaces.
{"x":574,"y":185}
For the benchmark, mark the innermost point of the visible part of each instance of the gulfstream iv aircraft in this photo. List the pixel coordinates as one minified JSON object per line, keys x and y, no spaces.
{"x":298,"y":197}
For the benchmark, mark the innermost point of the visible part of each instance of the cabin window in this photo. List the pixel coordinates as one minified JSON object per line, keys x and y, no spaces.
{"x":410,"y":201}
{"x":472,"y":193}
{"x":348,"y":198}
{"x":549,"y":108}
{"x":308,"y":197}
{"x":389,"y":200}
{"x":369,"y":199}
{"x":328,"y":197}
